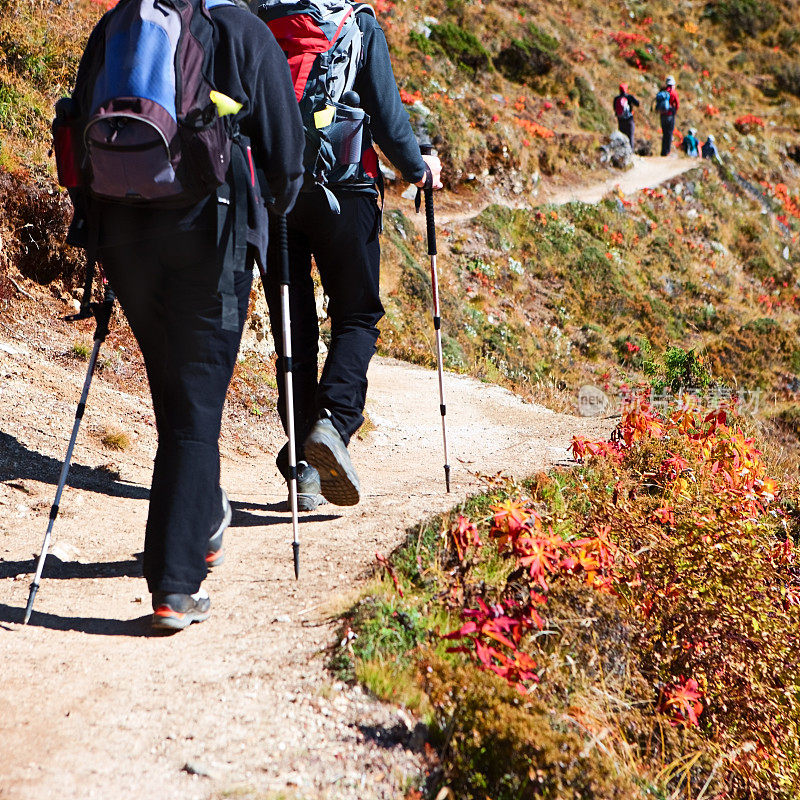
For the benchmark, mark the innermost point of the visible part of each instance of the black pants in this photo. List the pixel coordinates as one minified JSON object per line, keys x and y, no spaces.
{"x":667,"y":129}
{"x":627,"y":127}
{"x":166,"y":281}
{"x":346,"y":250}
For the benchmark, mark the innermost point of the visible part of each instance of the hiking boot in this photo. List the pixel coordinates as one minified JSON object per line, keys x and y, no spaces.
{"x":174,"y":612}
{"x":215,"y":555}
{"x":308,"y":489}
{"x":327,"y":453}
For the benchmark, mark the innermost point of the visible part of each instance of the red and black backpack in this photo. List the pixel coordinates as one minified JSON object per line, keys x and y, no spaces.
{"x":323,"y":44}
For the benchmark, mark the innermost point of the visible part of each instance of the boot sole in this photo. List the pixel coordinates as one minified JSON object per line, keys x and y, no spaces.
{"x":177,"y":622}
{"x":306,"y":501}
{"x":338,"y":483}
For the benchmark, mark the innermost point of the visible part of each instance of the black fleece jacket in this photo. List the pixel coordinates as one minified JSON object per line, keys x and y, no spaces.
{"x":251,"y":68}
{"x":389,"y":123}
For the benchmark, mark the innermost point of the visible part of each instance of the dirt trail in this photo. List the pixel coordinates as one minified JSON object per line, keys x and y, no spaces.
{"x":93,"y":705}
{"x":644,"y":174}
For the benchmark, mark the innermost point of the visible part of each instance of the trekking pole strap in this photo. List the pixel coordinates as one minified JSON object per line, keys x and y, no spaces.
{"x":87,"y":285}
{"x":102,"y":314}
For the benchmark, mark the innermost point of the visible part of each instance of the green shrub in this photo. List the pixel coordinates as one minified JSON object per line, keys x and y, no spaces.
{"x":462,"y":47}
{"x":521,"y":61}
{"x":788,"y":37}
{"x":679,"y":369}
{"x":510,"y":747}
{"x":743,"y":19}
{"x":592,"y":116}
{"x":422,"y":43}
{"x":787,"y":77}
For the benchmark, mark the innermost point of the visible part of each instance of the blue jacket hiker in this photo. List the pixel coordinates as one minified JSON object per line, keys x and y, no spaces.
{"x":666,"y":103}
{"x":690,"y":144}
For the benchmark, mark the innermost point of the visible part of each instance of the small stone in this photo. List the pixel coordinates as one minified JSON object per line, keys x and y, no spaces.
{"x":196,"y":768}
{"x":65,"y":552}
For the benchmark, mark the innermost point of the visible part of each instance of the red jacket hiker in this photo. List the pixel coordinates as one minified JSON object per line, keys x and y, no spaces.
{"x":624,"y":104}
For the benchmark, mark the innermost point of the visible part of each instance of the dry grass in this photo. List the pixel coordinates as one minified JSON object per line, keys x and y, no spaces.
{"x":113,"y":439}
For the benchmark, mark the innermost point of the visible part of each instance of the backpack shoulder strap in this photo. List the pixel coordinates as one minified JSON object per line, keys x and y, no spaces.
{"x":364,"y":8}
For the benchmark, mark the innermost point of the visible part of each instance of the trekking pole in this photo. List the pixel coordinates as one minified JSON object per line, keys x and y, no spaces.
{"x":426,"y":150}
{"x":102,"y":315}
{"x":283,"y":243}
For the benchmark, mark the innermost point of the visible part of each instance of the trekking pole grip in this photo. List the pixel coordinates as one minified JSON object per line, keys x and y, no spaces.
{"x":427,"y":150}
{"x":283,"y":249}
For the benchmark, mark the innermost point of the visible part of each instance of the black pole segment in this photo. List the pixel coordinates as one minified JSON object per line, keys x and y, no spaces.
{"x":283,"y":244}
{"x":296,"y":552}
{"x":426,"y":148}
{"x":447,"y":476}
{"x":430,"y":222}
{"x":29,"y":606}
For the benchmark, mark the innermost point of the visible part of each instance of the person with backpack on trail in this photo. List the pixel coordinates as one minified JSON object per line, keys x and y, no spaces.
{"x":348,"y":100}
{"x":624,"y":104}
{"x":690,"y":144}
{"x":709,"y":149}
{"x":666,"y":103}
{"x":180,"y":149}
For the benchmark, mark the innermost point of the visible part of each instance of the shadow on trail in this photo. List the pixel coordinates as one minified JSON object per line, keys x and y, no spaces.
{"x":243,"y":518}
{"x":66,"y":570}
{"x":138,"y":627}
{"x":18,"y":462}
{"x":397,"y":735}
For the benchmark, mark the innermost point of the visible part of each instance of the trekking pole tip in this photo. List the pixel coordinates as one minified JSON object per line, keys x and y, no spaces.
{"x":296,"y":553}
{"x":447,"y":476}
{"x":31,"y":598}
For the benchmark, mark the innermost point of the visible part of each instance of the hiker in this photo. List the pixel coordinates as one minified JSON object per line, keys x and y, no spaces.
{"x":709,"y":149}
{"x":624,"y":104}
{"x":690,"y":144}
{"x":337,"y":220}
{"x":182,"y":274}
{"x":666,"y":103}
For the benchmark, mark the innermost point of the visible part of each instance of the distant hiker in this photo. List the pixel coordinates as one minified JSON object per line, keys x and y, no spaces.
{"x":624,"y":104}
{"x":337,"y":220}
{"x":177,"y":234}
{"x":709,"y":149}
{"x":666,"y":103}
{"x":690,"y":144}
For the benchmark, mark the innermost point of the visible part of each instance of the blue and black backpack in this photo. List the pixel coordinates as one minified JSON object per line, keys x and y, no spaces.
{"x":152,"y":132}
{"x":663,"y":104}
